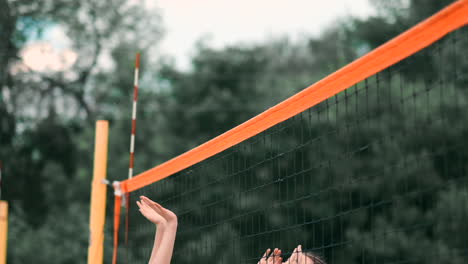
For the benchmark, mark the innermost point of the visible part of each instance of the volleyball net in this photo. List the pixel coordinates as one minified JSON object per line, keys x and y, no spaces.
{"x":369,"y":165}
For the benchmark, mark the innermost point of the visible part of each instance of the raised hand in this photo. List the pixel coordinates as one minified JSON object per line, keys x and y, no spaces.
{"x":294,"y":256}
{"x":274,"y":258}
{"x":166,"y":222}
{"x":168,"y":215}
{"x":151,"y":214}
{"x":299,"y":257}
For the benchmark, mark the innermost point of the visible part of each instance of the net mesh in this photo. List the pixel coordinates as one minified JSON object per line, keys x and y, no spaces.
{"x":375,"y":174}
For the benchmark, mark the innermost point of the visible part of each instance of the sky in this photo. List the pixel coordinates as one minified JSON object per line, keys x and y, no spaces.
{"x":221,"y":22}
{"x":232,"y":21}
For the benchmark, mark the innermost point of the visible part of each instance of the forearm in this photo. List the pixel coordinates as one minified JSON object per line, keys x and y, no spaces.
{"x":164,"y":252}
{"x":157,"y":241}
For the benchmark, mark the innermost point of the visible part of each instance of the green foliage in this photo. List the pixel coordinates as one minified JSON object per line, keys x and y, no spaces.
{"x":62,"y":238}
{"x":47,"y":118}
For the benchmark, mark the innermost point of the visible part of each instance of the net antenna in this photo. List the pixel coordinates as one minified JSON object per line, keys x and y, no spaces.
{"x":132,"y":144}
{"x":134,"y":112}
{"x":122,"y":198}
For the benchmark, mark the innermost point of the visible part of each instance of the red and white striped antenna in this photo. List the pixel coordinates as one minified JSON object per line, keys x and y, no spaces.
{"x":126,"y":197}
{"x":134,"y":112}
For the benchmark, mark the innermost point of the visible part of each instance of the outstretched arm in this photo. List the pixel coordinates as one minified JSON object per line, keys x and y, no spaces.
{"x":164,"y":252}
{"x":157,"y":241}
{"x":166,"y":224}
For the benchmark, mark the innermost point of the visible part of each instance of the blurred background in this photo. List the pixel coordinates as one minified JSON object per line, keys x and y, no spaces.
{"x":210,"y":65}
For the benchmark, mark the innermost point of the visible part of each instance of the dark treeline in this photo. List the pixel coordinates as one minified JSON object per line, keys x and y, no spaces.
{"x":47,"y":118}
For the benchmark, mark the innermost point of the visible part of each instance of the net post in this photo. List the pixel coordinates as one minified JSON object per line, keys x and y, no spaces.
{"x":98,"y":194}
{"x":3,"y":231}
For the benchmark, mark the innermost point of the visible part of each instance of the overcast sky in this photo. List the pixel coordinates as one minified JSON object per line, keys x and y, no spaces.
{"x":223,"y":22}
{"x":233,"y":21}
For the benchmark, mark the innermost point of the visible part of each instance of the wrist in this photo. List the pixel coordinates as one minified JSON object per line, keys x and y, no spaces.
{"x":172,"y":224}
{"x":161,"y":225}
{"x":172,"y":220}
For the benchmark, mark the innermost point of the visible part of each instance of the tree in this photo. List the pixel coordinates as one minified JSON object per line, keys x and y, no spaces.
{"x":47,"y":117}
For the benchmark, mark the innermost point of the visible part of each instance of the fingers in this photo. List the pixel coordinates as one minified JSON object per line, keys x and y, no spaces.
{"x":143,"y":209}
{"x":263,"y":259}
{"x":151,"y":205}
{"x":150,"y":202}
{"x":146,"y":199}
{"x":150,"y":214}
{"x":168,"y":215}
{"x":270,"y":258}
{"x":302,"y":258}
{"x":294,"y":256}
{"x":157,"y":207}
{"x":142,"y":205}
{"x":275,"y":257}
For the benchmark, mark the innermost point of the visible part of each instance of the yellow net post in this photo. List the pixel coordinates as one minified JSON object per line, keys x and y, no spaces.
{"x":98,"y":194}
{"x":3,"y":231}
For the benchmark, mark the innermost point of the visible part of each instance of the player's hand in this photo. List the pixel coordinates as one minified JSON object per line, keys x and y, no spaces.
{"x":168,"y":215}
{"x":294,"y":256}
{"x":151,"y":214}
{"x":298,"y":257}
{"x":274,"y":258}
